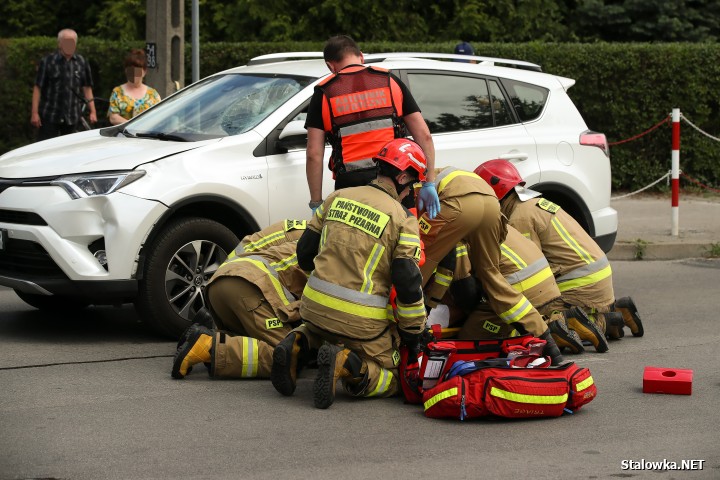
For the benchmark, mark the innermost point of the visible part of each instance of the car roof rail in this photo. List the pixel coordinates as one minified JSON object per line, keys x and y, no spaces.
{"x":283,"y":56}
{"x":379,"y":57}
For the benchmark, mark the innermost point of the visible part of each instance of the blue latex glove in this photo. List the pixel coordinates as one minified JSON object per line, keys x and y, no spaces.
{"x":314,"y":206}
{"x":428,"y":200}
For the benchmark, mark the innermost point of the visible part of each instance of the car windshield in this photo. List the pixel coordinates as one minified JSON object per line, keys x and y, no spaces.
{"x":219,"y":106}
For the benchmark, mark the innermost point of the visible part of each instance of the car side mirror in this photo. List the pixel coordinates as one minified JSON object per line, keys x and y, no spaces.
{"x":294,"y":135}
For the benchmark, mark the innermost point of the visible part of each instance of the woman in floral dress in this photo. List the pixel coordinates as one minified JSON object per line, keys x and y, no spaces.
{"x":132,"y":97}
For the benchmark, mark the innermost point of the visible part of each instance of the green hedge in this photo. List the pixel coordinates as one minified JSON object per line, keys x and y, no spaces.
{"x":621,"y":90}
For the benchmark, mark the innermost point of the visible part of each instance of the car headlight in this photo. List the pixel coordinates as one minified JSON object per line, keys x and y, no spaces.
{"x":92,"y":184}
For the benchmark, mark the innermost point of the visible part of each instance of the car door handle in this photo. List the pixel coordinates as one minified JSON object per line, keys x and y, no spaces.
{"x":514,"y":156}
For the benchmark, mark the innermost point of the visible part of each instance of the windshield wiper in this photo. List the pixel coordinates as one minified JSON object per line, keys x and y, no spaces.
{"x":125,"y":132}
{"x":162,"y":136}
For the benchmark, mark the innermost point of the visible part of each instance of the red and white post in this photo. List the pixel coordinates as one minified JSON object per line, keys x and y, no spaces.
{"x":675,"y":171}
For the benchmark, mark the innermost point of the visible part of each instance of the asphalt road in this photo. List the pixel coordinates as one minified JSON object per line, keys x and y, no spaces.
{"x":89,"y":396}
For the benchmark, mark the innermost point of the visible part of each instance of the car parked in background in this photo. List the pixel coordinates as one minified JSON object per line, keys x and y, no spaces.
{"x":146,"y":211}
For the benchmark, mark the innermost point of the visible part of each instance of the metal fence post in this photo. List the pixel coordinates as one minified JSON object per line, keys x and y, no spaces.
{"x":675,"y":172}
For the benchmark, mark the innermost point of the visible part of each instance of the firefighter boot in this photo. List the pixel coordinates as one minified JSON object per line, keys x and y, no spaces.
{"x":599,"y":320}
{"x":204,"y":318}
{"x":287,"y":357}
{"x":194,"y":348}
{"x":631,"y":317}
{"x":564,"y":337}
{"x":551,"y":349}
{"x":334,"y":363}
{"x":586,"y":330}
{"x":614,"y":324}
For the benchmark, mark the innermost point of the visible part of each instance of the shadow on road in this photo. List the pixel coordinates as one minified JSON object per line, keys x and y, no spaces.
{"x":88,"y":325}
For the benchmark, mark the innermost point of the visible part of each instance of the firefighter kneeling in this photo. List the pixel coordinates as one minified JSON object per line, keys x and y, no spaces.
{"x":582,"y":270}
{"x":253,"y":297}
{"x":360,"y":242}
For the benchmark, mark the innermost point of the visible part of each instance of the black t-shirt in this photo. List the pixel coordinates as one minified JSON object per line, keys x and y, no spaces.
{"x":314,"y":116}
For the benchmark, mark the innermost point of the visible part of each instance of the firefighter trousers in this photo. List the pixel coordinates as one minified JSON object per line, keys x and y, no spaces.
{"x":483,"y":323}
{"x":596,"y":314}
{"x":249,"y":329}
{"x":380,"y":357}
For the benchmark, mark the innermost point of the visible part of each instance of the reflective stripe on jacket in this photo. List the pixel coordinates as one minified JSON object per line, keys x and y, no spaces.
{"x":526,"y":269}
{"x":287,"y":230}
{"x":445,"y":175}
{"x":275,"y":271}
{"x":582,"y":271}
{"x":523,"y":266}
{"x":360,"y":110}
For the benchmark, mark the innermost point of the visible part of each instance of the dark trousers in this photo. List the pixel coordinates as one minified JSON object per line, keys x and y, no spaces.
{"x":357,"y":178}
{"x":52,"y":130}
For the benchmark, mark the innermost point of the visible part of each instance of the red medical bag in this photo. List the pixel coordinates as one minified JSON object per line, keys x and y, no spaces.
{"x":505,"y":389}
{"x":439,"y":356}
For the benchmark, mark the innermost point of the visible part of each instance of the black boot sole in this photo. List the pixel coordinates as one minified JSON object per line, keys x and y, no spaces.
{"x":629,"y":305}
{"x":324,"y":386}
{"x":280,"y":371}
{"x":587,"y":330}
{"x":614,"y":325}
{"x":559,"y":333}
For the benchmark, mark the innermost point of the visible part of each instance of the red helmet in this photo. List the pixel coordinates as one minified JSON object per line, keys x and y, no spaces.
{"x":501,"y":175}
{"x":403,"y":153}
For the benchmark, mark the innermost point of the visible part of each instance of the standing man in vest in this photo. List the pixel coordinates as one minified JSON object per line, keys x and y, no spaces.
{"x":360,"y":109}
{"x":360,"y":242}
{"x":581,"y":269}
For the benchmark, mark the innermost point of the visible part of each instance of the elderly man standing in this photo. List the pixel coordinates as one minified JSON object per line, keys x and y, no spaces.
{"x":63,"y":80}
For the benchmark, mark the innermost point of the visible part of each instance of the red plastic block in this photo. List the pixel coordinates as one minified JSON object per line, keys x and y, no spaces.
{"x":667,"y":380}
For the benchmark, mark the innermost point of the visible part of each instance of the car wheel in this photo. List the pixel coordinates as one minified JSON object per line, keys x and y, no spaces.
{"x":52,"y":302}
{"x":179,"y":263}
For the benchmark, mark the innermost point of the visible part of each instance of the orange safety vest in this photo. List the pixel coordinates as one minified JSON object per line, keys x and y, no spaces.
{"x":361,"y":108}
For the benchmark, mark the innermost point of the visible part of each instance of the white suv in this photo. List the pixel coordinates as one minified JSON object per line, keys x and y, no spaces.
{"x":145,"y":212}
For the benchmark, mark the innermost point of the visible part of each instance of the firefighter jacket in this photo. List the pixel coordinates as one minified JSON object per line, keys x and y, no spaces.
{"x":581,"y":269}
{"x":275,"y":271}
{"x":454,"y":182}
{"x":361,"y":109}
{"x":441,"y":279}
{"x":279,"y":232}
{"x":526,"y":269}
{"x":470,"y":211}
{"x":522,"y":264}
{"x":364,"y":232}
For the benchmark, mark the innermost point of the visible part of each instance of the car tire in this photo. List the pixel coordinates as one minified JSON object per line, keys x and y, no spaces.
{"x":169,"y":294}
{"x":52,"y":302}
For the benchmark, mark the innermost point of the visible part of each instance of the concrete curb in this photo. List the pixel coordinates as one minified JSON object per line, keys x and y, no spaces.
{"x":658,"y":251}
{"x":644,"y":228}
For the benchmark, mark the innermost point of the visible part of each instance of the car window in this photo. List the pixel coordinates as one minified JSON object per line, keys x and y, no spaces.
{"x":451,"y":103}
{"x":528,"y":100}
{"x":500,"y":107}
{"x":219,"y":106}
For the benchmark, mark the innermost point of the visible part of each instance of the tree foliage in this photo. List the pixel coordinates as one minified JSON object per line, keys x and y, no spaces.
{"x":622,"y":89}
{"x":384,"y":20}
